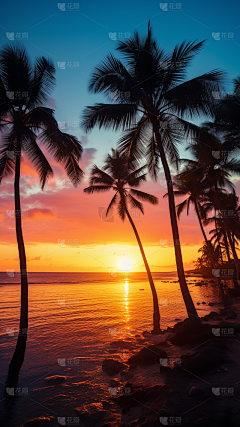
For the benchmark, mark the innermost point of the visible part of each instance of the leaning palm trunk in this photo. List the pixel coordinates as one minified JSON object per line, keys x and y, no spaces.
{"x":191,"y":310}
{"x":208,"y":243}
{"x":235,"y":257}
{"x":156,"y":313}
{"x":18,"y":356}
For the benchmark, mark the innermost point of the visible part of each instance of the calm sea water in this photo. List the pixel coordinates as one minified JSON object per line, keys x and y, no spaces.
{"x":73,"y":319}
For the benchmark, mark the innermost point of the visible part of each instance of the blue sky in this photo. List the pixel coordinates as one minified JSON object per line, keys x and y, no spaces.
{"x":79,"y":36}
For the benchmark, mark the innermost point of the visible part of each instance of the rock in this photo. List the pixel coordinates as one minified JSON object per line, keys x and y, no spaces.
{"x":127,"y":375}
{"x":91,"y":414}
{"x":112,"y":367}
{"x":198,"y":392}
{"x":55,"y":379}
{"x":121,"y":344}
{"x":192,"y":337}
{"x":132,"y":367}
{"x":235,"y":326}
{"x":147,"y":356}
{"x":231,"y":315}
{"x":107,"y":405}
{"x":208,"y":358}
{"x":211,"y":316}
{"x":114,"y":383}
{"x":40,"y":422}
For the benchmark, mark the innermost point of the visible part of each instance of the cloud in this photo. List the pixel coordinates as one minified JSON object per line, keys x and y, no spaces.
{"x":40,"y":213}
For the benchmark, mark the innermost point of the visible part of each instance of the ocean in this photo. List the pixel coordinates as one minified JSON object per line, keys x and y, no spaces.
{"x":73,"y":320}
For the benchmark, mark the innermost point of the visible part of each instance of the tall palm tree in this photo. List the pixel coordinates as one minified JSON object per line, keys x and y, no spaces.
{"x":24,"y":123}
{"x":151,"y":99}
{"x":123,"y":178}
{"x":186,"y":184}
{"x":216,"y":161}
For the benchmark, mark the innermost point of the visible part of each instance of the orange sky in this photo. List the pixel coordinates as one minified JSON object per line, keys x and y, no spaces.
{"x":63,"y":230}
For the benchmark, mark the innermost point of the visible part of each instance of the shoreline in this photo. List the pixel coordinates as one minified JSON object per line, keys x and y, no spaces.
{"x":144,"y":392}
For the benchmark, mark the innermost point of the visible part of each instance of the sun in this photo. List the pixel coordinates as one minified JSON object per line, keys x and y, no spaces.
{"x":126,"y":265}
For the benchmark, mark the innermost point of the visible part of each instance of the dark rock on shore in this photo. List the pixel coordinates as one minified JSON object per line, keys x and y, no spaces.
{"x":208,"y":358}
{"x":147,"y":356}
{"x":91,"y":414}
{"x":40,"y":422}
{"x":198,"y":392}
{"x":55,"y":379}
{"x":112,"y":367}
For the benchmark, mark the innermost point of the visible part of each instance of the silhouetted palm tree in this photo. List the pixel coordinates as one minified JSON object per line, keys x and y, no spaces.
{"x":152,"y":97}
{"x":187,"y":184}
{"x":24,"y":123}
{"x":216,"y":162}
{"x":123,"y":178}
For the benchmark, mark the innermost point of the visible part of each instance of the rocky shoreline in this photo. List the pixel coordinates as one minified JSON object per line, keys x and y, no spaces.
{"x":177,"y":378}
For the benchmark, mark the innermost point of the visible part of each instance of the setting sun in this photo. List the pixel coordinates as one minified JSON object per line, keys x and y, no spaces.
{"x":126,"y":265}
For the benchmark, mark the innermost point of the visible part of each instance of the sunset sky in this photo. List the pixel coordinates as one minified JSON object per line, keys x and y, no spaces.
{"x":62,"y":226}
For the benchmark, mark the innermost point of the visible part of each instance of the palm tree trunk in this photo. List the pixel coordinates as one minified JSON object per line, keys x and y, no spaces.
{"x":191,"y":310}
{"x":235,"y":257}
{"x":208,"y":243}
{"x":18,"y":356}
{"x":156,"y":313}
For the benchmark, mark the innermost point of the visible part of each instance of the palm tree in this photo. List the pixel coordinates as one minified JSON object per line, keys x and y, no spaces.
{"x":123,"y":178}
{"x":215,"y":160}
{"x":186,"y":183}
{"x":151,"y":99}
{"x":24,"y":122}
